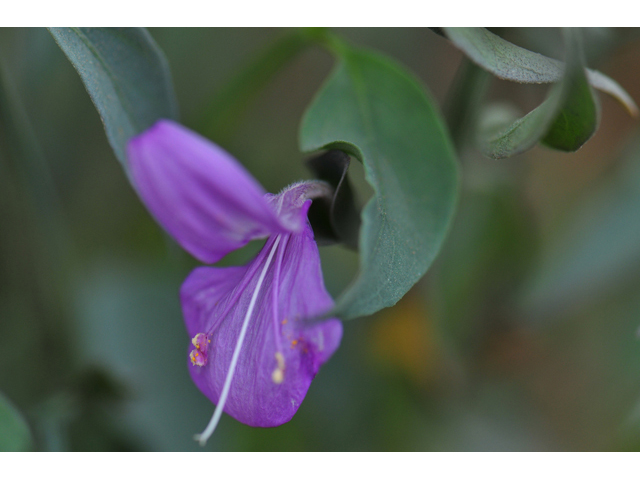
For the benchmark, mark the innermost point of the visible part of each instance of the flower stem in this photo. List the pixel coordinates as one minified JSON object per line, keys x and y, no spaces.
{"x":225,"y":110}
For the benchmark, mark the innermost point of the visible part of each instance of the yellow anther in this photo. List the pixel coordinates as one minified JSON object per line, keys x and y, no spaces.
{"x":199,"y":341}
{"x":294,"y":343}
{"x":198,"y":358}
{"x":277,"y":376}
{"x":284,"y":322}
{"x":280,"y":360}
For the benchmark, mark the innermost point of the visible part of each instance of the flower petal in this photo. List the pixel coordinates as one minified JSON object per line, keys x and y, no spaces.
{"x":199,"y":193}
{"x":294,"y":279}
{"x":292,"y":203}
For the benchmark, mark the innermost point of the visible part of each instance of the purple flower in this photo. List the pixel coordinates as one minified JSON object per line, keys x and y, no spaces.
{"x":252,"y":354}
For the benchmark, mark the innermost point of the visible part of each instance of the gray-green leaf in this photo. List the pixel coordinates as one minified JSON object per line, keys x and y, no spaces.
{"x":14,"y":432}
{"x":375,"y":110}
{"x":126,"y":75}
{"x":565,"y":120}
{"x":510,"y":62}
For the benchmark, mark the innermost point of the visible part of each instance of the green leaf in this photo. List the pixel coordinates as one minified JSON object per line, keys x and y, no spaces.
{"x":14,"y":431}
{"x":126,"y":75}
{"x":565,"y":120}
{"x":375,"y":110}
{"x":578,"y":116}
{"x":510,"y":62}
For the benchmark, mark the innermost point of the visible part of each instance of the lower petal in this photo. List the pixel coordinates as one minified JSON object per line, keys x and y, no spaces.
{"x":215,"y":301}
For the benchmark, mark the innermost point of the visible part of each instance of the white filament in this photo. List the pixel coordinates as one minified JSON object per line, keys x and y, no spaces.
{"x":213,"y":423}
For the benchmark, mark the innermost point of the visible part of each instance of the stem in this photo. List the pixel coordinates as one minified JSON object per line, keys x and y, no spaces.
{"x":228,"y":105}
{"x":463,"y":102}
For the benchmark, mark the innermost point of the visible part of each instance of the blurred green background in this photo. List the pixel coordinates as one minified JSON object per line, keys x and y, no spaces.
{"x":522,"y":336}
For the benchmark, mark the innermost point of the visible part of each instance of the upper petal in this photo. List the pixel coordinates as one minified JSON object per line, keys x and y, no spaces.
{"x":198,"y":192}
{"x":215,"y":301}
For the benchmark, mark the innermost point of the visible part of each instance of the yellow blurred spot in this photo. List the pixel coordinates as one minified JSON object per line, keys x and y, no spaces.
{"x":404,"y":337}
{"x":277,"y":376}
{"x":280,"y":360}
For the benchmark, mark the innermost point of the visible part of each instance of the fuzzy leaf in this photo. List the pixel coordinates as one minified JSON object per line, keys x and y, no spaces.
{"x":510,"y":62}
{"x":375,"y":110}
{"x":126,"y":75}
{"x":564,"y":121}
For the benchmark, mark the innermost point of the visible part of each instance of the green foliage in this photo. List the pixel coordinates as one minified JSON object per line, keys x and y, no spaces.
{"x":565,"y":120}
{"x":373,"y":109}
{"x":577,"y":118}
{"x":510,"y":62}
{"x":14,"y":431}
{"x":126,"y":75}
{"x":478,"y":359}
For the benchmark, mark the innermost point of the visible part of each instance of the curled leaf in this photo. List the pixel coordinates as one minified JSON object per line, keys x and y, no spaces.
{"x":510,"y":62}
{"x":375,"y":110}
{"x":564,"y":121}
